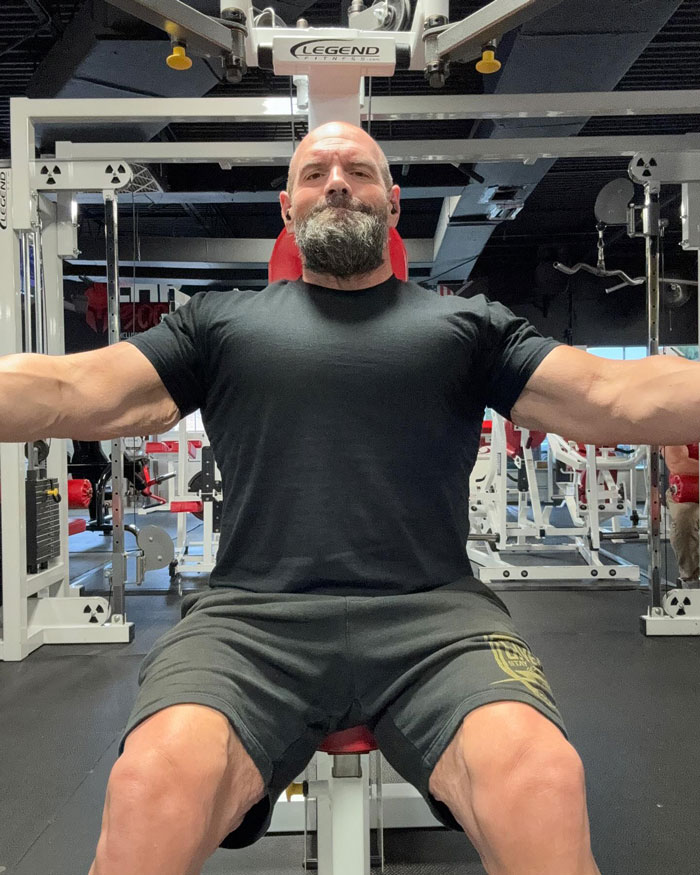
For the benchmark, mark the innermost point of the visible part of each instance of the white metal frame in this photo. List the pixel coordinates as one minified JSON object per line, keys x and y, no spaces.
{"x":193,"y":555}
{"x":27,"y":113}
{"x":679,"y":611}
{"x":342,"y":806}
{"x":402,"y":808}
{"x":491,"y":496}
{"x":342,"y":816}
{"x":334,"y":60}
{"x":39,"y":608}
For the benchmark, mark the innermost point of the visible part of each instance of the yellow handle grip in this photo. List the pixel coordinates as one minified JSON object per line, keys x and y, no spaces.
{"x":179,"y":60}
{"x":488,"y":63}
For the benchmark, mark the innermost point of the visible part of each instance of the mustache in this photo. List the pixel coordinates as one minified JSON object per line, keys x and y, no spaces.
{"x":340,"y":201}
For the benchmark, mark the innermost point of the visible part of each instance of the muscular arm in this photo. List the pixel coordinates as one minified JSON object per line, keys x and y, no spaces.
{"x":678,"y":461}
{"x":110,"y":392}
{"x":582,"y":397}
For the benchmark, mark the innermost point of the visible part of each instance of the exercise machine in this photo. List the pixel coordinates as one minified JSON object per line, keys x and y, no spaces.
{"x":39,"y":605}
{"x":509,"y":517}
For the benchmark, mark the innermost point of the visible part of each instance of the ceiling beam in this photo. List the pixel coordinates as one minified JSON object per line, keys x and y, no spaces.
{"x":525,"y":149}
{"x":164,"y":198}
{"x":433,"y":107}
{"x":221,"y":278}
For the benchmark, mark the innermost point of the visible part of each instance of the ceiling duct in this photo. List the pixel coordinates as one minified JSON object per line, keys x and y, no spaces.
{"x":107,"y":53}
{"x":504,"y":202}
{"x":573,"y":47}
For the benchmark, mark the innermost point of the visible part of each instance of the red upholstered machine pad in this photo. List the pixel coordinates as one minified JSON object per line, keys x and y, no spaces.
{"x":186,"y":507}
{"x":79,"y":494}
{"x":684,"y":488}
{"x":356,"y":740}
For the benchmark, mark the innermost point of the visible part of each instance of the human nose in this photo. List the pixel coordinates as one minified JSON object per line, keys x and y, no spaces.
{"x":337,"y":182}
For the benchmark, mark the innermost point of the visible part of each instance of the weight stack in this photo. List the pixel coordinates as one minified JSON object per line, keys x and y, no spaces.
{"x":43,"y":522}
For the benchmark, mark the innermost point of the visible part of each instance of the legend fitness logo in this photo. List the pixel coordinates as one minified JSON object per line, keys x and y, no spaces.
{"x":4,"y":192}
{"x":333,"y":50}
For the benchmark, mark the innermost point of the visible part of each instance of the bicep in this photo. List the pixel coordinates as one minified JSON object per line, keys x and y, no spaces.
{"x":113,"y":392}
{"x":571,"y":393}
{"x":678,"y":461}
{"x":675,"y":456}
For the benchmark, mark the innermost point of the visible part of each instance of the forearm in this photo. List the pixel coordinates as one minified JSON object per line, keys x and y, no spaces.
{"x":657,"y":401}
{"x":32,"y":393}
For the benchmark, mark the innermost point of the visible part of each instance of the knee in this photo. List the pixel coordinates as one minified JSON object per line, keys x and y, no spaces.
{"x":533,"y":773}
{"x":160,"y":781}
{"x":175,"y":777}
{"x":561,"y":768}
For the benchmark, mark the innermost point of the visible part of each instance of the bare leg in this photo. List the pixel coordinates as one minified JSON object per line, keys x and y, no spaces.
{"x":517,"y":788}
{"x":182,"y":784}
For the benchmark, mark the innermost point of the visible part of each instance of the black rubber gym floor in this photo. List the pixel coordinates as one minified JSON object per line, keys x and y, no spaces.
{"x":631,"y":704}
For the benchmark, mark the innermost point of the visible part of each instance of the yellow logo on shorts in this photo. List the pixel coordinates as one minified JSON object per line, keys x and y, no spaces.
{"x":520,"y":665}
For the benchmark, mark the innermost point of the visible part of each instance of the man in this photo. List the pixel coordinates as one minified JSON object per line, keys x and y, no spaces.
{"x":345,"y":412}
{"x":683,"y":460}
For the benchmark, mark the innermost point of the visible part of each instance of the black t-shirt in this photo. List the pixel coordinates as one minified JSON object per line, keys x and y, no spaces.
{"x":345,"y":425}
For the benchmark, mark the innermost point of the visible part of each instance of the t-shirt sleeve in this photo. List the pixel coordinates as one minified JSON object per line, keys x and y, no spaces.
{"x":177,"y":349}
{"x":512,"y":350}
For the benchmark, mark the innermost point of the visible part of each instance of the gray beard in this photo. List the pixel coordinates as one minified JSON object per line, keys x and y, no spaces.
{"x":342,"y":243}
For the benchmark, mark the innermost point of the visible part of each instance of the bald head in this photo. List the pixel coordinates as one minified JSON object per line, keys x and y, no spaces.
{"x":334,"y":134}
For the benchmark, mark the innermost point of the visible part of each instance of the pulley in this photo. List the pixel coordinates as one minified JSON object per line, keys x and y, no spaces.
{"x":391,"y":14}
{"x":612,"y":204}
{"x":156,"y":546}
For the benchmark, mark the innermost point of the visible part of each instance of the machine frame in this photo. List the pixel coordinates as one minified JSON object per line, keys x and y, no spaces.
{"x":104,"y":167}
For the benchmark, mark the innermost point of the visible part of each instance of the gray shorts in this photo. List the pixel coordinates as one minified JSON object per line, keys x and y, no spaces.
{"x":288,"y":669}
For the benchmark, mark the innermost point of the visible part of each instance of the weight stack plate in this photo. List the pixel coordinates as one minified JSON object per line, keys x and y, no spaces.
{"x":43,"y":524}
